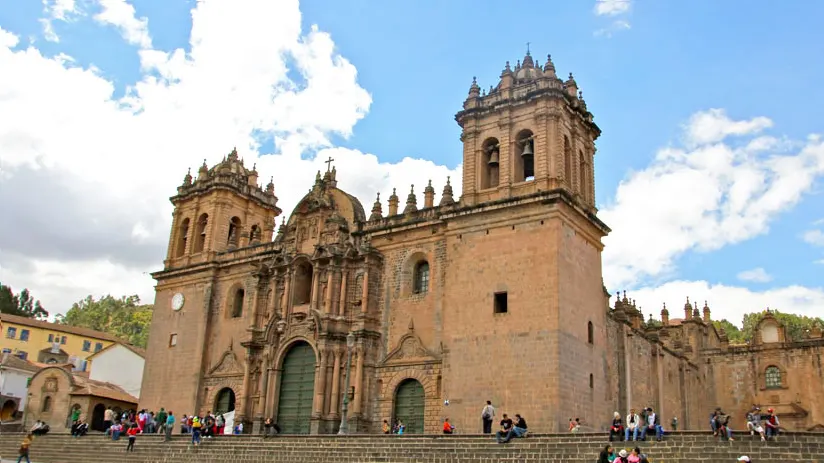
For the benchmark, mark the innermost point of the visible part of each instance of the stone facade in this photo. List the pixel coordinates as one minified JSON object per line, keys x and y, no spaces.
{"x":495,"y":296}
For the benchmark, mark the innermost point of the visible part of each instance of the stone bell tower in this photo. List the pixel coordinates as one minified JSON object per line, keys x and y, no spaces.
{"x":529,"y":133}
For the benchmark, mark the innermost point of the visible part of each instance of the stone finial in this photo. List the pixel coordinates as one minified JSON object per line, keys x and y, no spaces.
{"x":571,"y":86}
{"x":687,"y":309}
{"x":233,"y":155}
{"x":270,"y":187}
{"x":517,"y":65}
{"x":393,"y":203}
{"x":507,"y":69}
{"x":581,"y":100}
{"x":429,"y":195}
{"x":446,"y":196}
{"x":203,"y":172}
{"x":695,"y":313}
{"x":281,"y":228}
{"x":318,"y":180}
{"x":665,"y":315}
{"x":377,"y":210}
{"x":411,"y":202}
{"x":707,"y":317}
{"x":187,"y":179}
{"x":474,"y":89}
{"x":549,"y":67}
{"x":528,"y":63}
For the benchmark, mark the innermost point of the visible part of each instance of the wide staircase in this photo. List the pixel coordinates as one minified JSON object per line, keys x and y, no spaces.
{"x":681,"y":447}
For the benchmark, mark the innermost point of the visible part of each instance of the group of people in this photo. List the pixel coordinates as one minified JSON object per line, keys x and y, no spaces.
{"x":636,"y":426}
{"x":766,"y":425}
{"x":610,"y":454}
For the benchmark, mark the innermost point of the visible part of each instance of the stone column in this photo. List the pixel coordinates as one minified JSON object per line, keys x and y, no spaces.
{"x":320,"y":384}
{"x":286,"y":302}
{"x":263,"y":395}
{"x":335,"y":399}
{"x":243,"y":410}
{"x":313,"y":300}
{"x":365,"y":292}
{"x":356,"y":408}
{"x":327,"y":303}
{"x":343,"y":298}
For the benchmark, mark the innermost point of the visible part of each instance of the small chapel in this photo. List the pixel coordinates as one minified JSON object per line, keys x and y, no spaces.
{"x":331,"y":317}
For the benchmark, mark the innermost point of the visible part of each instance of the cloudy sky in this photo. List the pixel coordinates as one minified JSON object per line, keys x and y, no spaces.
{"x":708,"y":170}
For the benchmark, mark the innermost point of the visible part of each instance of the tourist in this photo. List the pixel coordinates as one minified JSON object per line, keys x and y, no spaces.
{"x":722,"y":426}
{"x":170,"y":426}
{"x":132,"y":433}
{"x":116,"y":429}
{"x":772,"y":424}
{"x":519,"y":429}
{"x":161,"y":420}
{"x":714,"y":421}
{"x":574,"y":425}
{"x":754,"y":423}
{"x":653,"y":424}
{"x":79,"y":428}
{"x":24,"y":448}
{"x":447,"y":427}
{"x":744,"y":458}
{"x":386,"y":428}
{"x":40,"y":428}
{"x":604,"y":456}
{"x":487,"y":415}
{"x":622,"y":457}
{"x":75,"y":415}
{"x":220,"y":424}
{"x":634,"y":456}
{"x":239,"y":428}
{"x":633,"y":422}
{"x":196,"y":426}
{"x":506,"y":425}
{"x":617,"y":427}
{"x":108,"y":418}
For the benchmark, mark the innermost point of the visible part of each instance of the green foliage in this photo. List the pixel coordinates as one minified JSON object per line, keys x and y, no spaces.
{"x":22,"y":304}
{"x":124,"y":317}
{"x":796,"y":326}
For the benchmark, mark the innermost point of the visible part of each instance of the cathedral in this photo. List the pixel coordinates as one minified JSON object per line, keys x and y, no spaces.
{"x":332,"y":316}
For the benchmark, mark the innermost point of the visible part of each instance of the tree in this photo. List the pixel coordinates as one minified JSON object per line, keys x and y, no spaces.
{"x":125,"y":317}
{"x":796,"y":326}
{"x":22,"y":304}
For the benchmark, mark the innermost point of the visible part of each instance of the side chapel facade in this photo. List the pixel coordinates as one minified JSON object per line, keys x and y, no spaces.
{"x":497,"y":295}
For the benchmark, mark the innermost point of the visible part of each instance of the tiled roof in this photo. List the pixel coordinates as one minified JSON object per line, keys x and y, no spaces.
{"x":85,"y":332}
{"x":135,"y":349}
{"x":12,"y":361}
{"x":85,"y":386}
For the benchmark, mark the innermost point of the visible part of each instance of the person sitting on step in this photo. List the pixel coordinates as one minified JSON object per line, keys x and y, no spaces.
{"x":754,"y":423}
{"x":519,"y":429}
{"x":772,"y":424}
{"x":617,"y":427}
{"x":447,"y":427}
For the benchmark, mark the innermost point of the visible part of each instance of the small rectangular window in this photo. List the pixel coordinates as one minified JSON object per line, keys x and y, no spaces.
{"x":22,"y":355}
{"x":98,"y":347}
{"x":24,"y":335}
{"x":51,"y":338}
{"x":173,"y":340}
{"x":11,"y":333}
{"x":63,"y":340}
{"x":6,"y":350}
{"x":500,"y":303}
{"x":87,"y":346}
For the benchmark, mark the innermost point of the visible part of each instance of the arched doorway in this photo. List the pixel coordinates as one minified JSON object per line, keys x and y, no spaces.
{"x":297,"y":389}
{"x":409,"y":405}
{"x":98,"y":414}
{"x":225,"y":401}
{"x":8,"y":410}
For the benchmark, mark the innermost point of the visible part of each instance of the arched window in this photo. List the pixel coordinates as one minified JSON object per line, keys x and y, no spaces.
{"x":182,"y":237}
{"x":421,"y":277}
{"x":524,"y":159}
{"x":234,"y":232}
{"x":490,"y":163}
{"x":46,"y":404}
{"x":567,"y":162}
{"x":237,"y":303}
{"x":254,"y":234}
{"x":302,"y":292}
{"x":200,"y":238}
{"x":590,"y":333}
{"x":772,"y":377}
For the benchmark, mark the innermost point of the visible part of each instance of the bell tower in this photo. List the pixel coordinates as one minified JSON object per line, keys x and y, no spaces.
{"x":224,"y":208}
{"x":531,"y":132}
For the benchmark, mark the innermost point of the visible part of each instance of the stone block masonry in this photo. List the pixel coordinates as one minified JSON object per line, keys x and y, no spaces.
{"x":683,"y":447}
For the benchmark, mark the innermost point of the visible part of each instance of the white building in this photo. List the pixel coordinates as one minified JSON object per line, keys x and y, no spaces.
{"x":15,"y":374}
{"x":119,"y":364}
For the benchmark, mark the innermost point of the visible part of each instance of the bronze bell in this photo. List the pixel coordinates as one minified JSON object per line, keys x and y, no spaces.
{"x":494,"y":155}
{"x":527,"y":149}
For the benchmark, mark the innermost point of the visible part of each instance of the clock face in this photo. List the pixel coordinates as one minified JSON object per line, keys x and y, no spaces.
{"x":177,"y":302}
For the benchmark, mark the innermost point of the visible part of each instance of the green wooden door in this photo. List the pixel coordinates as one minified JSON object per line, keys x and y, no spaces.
{"x":409,"y":406}
{"x":297,"y":390}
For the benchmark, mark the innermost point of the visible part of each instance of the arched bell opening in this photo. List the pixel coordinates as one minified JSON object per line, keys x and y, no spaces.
{"x":490,"y":163}
{"x":524,"y":156}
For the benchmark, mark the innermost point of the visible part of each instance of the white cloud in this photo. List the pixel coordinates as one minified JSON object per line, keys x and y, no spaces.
{"x":703,"y":197}
{"x":612,"y":7}
{"x":56,"y":10}
{"x":757,"y":275}
{"x":727,"y":302}
{"x":110,"y":164}
{"x":814,"y":237}
{"x":616,"y":26}
{"x":121,"y":14}
{"x":714,"y":126}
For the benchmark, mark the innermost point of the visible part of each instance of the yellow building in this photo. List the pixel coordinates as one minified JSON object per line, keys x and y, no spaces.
{"x":50,"y":343}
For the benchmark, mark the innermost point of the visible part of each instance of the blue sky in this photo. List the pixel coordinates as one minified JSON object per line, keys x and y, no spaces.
{"x":651,"y":72}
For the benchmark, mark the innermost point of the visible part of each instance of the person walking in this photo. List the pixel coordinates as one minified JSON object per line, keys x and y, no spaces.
{"x":132,"y":433}
{"x":24,"y":448}
{"x":170,"y":426}
{"x":487,"y":415}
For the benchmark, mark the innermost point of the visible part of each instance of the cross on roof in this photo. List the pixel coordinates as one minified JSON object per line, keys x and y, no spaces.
{"x":328,"y":163}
